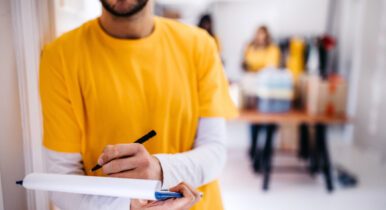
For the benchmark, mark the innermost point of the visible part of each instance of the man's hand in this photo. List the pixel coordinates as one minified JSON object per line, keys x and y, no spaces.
{"x":130,"y":161}
{"x":190,"y":197}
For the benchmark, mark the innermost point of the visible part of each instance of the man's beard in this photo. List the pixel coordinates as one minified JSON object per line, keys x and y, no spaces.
{"x":130,"y":12}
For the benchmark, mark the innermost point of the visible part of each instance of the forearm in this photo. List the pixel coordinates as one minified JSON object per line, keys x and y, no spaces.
{"x":204,"y":162}
{"x":70,"y":163}
{"x":199,"y":166}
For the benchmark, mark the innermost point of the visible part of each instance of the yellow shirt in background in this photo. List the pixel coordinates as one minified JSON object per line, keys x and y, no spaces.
{"x":98,"y":90}
{"x":295,"y":60}
{"x":218,"y":43}
{"x":257,"y":59}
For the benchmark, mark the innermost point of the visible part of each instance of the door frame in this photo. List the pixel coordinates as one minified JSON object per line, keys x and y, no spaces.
{"x":1,"y":195}
{"x":356,"y":65}
{"x":33,"y":25}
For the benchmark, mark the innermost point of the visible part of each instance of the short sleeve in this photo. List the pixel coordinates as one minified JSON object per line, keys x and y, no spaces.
{"x":213,"y":89}
{"x":61,"y":132}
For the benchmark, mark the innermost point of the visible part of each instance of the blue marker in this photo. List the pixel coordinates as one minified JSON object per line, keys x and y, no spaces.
{"x":164,"y":195}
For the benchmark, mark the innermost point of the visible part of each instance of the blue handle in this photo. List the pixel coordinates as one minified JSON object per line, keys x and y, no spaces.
{"x":164,"y":195}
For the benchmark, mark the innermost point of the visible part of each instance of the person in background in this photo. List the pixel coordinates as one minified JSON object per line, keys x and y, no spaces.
{"x":206,"y":23}
{"x":117,"y":77}
{"x":260,"y":53}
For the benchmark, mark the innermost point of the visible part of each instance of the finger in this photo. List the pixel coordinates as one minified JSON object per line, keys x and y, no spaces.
{"x":154,"y":203}
{"x":180,"y":187}
{"x":185,"y":191}
{"x":188,"y":191}
{"x":196,"y":194}
{"x":112,"y":152}
{"x":143,"y":202}
{"x":101,"y":156}
{"x":137,"y":204}
{"x":176,"y":188}
{"x":187,"y":200}
{"x":131,"y":174}
{"x":123,"y":164}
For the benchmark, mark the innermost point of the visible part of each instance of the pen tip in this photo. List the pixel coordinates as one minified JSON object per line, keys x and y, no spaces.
{"x":20,"y":182}
{"x":153,"y":133}
{"x":96,"y":167}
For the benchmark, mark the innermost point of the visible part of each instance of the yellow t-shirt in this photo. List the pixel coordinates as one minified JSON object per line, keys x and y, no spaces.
{"x":218,"y":43}
{"x":257,"y":59}
{"x":295,"y":60}
{"x":98,"y":90}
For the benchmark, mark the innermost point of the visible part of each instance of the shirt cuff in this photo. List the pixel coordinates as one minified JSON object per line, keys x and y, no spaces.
{"x":168,"y":178}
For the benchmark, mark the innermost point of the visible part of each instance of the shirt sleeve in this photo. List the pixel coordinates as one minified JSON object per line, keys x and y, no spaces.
{"x":201,"y":165}
{"x":71,"y":163}
{"x":213,"y":89}
{"x":61,"y":130}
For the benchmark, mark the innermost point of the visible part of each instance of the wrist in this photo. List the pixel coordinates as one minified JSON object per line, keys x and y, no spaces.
{"x":166,"y":163}
{"x":158,"y":175}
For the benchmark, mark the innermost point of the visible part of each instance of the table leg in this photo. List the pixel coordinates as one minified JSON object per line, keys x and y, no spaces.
{"x":304,"y":141}
{"x":255,"y":151}
{"x":324,"y":157}
{"x":257,"y":160}
{"x":254,"y":128}
{"x":267,"y":156}
{"x":314,"y":158}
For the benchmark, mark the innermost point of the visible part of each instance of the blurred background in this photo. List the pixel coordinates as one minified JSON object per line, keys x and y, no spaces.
{"x":307,"y":76}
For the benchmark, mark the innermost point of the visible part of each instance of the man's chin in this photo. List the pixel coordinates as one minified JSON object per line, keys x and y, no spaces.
{"x":124,"y":9}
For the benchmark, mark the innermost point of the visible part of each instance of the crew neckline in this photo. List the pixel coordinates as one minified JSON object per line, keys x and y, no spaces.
{"x":122,"y":42}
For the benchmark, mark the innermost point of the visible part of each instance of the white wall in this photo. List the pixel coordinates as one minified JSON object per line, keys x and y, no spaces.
{"x":190,"y":11}
{"x":236,"y":21}
{"x":11,"y":145}
{"x":71,"y":14}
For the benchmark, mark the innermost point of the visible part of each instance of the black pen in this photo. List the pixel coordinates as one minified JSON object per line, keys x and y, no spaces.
{"x":141,"y":140}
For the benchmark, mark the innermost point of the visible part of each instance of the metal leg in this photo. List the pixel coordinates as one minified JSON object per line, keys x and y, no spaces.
{"x":257,"y":160}
{"x":321,"y":142}
{"x":304,"y":141}
{"x":314,"y":160}
{"x":254,"y":138}
{"x":255,"y":151}
{"x":315,"y":154}
{"x":267,"y":156}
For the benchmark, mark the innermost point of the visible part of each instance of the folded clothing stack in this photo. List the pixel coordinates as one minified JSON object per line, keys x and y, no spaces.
{"x":275,"y":90}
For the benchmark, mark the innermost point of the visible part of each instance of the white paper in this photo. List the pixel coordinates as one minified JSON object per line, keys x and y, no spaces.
{"x":93,"y":185}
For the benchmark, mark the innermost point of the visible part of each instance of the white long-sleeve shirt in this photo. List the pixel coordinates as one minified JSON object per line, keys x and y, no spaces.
{"x":197,"y":167}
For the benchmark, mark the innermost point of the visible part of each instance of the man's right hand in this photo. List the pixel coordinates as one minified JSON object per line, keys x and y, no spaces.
{"x":130,"y":161}
{"x":190,"y":197}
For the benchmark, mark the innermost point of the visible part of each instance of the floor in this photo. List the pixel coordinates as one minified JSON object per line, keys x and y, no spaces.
{"x":299,"y":191}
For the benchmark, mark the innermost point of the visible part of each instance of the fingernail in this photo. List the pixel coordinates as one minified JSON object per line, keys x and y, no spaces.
{"x":100,"y":161}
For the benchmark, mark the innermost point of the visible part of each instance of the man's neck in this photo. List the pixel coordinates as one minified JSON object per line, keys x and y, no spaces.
{"x":136,"y":27}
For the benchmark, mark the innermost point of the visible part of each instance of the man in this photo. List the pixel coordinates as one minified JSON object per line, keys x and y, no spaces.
{"x":117,"y":77}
